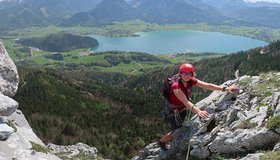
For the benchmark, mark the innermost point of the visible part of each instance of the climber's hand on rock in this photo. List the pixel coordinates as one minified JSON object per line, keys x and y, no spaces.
{"x":203,"y":114}
{"x":232,"y":88}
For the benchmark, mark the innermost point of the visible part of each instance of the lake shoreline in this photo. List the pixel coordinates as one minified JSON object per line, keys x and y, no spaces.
{"x":177,"y":41}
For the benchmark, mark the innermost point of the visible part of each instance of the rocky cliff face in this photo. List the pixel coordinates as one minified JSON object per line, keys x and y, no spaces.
{"x":240,"y":124}
{"x":17,"y":140}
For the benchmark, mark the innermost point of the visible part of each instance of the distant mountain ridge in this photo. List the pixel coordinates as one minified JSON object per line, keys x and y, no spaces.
{"x":175,"y":11}
{"x":256,"y":14}
{"x":72,"y":4}
{"x":104,"y":12}
{"x":26,"y":13}
{"x":112,"y":10}
{"x":216,"y":12}
{"x":8,"y":4}
{"x":154,"y":11}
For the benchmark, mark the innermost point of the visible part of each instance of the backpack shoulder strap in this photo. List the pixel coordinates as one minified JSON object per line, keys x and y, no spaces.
{"x":180,"y":83}
{"x":190,"y":82}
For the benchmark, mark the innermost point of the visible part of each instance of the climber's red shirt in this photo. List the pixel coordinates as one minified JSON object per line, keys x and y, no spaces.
{"x":173,"y":100}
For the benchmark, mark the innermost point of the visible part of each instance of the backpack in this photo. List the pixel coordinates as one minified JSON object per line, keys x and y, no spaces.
{"x":167,"y":86}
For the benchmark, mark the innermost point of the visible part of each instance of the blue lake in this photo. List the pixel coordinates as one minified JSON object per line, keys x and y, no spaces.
{"x":177,"y":41}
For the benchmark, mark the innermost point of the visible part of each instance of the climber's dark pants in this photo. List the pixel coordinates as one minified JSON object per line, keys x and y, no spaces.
{"x":170,"y":116}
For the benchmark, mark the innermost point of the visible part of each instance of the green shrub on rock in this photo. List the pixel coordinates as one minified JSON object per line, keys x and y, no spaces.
{"x":274,"y":122}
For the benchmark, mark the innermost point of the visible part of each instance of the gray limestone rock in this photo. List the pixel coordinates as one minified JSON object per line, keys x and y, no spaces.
{"x":8,"y":73}
{"x":18,"y":145}
{"x":72,"y":150}
{"x":252,"y":156}
{"x":5,"y":131}
{"x":7,"y":105}
{"x":277,"y":147}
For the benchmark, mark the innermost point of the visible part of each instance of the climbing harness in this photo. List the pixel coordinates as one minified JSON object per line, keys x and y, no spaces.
{"x":178,"y":118}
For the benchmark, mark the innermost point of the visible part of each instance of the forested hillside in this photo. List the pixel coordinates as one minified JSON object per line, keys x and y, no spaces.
{"x":59,"y":42}
{"x":117,"y":112}
{"x":67,"y":106}
{"x":61,"y":113}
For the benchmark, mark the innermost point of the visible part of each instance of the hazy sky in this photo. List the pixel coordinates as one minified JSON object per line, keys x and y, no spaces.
{"x":276,"y":1}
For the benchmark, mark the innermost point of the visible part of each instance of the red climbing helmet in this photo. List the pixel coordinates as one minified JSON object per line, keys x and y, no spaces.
{"x":186,"y":68}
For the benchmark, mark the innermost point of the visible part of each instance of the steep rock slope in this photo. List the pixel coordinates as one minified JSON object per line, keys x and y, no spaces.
{"x":239,"y":124}
{"x":16,"y":136}
{"x":17,"y":139}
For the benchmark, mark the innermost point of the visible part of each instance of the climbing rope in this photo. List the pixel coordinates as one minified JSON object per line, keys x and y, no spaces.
{"x":189,"y":145}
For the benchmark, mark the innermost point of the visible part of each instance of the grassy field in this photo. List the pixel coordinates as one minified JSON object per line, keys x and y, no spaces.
{"x":101,"y":63}
{"x":115,"y":61}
